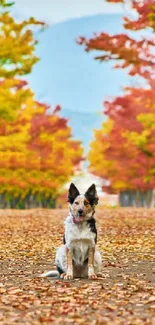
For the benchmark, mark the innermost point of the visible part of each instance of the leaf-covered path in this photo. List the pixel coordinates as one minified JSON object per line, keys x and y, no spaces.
{"x":125,"y":295}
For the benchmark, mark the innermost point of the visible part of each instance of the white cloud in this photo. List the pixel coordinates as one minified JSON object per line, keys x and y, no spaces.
{"x":54,"y":11}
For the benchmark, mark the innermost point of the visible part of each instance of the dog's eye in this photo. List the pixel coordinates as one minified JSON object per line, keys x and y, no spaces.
{"x":76,"y":202}
{"x":86,"y":203}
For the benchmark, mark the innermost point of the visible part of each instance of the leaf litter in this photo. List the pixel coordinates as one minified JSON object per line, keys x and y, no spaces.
{"x":123,"y":295}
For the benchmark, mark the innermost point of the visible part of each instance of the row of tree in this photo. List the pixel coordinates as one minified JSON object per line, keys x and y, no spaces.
{"x":124,"y":148}
{"x":37,"y":152}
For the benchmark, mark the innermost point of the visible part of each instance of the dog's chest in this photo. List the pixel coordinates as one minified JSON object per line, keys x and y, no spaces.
{"x":79,"y":238}
{"x":78,"y":232}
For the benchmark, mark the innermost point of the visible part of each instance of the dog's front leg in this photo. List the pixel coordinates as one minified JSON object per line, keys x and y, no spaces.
{"x":69,"y":273}
{"x":91,"y":273}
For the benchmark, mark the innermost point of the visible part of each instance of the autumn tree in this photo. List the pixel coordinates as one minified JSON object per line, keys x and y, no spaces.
{"x":37,"y":156}
{"x":123,"y":150}
{"x":136,"y":55}
{"x":17,"y":57}
{"x":37,"y":152}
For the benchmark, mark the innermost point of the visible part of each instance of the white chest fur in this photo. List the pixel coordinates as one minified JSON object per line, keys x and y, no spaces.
{"x":79,"y":239}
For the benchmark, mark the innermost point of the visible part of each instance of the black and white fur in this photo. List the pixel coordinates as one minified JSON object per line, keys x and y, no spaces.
{"x":80,"y":237}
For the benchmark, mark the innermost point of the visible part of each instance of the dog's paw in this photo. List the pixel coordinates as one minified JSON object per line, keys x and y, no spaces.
{"x":92,"y":276}
{"x":68,"y":276}
{"x":91,"y":273}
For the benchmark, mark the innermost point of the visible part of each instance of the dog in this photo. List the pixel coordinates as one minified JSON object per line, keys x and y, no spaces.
{"x":78,"y":257}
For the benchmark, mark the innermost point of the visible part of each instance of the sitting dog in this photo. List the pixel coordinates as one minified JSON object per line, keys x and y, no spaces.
{"x":78,"y":257}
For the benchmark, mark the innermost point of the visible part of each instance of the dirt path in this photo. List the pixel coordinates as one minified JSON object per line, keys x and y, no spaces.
{"x":125,"y":295}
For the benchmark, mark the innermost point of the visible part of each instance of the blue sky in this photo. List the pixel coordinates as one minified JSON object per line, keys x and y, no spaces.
{"x":55,"y":11}
{"x":69,"y":76}
{"x":66,"y":74}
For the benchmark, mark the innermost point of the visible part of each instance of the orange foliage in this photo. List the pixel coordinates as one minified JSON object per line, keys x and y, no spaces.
{"x":124,"y":148}
{"x":37,"y":152}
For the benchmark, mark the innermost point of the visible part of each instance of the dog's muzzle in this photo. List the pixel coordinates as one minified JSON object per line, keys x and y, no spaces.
{"x":78,"y":219}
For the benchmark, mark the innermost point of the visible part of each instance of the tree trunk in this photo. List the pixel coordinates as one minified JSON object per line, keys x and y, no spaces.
{"x":31,"y":201}
{"x":136,"y":198}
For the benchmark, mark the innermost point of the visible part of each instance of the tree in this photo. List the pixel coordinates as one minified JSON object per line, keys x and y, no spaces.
{"x":37,"y":152}
{"x":125,"y":152}
{"x":136,"y":55}
{"x":146,"y":14}
{"x":123,"y":149}
{"x":37,"y":156}
{"x":13,"y":94}
{"x":17,"y":57}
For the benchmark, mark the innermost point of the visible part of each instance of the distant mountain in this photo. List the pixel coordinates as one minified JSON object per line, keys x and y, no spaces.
{"x":83,"y":124}
{"x":69,"y":76}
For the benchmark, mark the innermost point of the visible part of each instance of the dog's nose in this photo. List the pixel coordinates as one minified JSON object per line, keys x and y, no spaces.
{"x":80,"y":211}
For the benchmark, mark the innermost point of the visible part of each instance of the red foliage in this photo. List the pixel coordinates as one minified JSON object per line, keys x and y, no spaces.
{"x":137,"y":55}
{"x":144,"y":9}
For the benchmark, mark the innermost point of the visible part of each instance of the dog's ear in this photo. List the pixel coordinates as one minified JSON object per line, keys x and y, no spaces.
{"x":91,"y":195}
{"x":73,"y":193}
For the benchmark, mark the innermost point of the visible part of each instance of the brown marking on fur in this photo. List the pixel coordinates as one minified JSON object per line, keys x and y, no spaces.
{"x":69,"y":273}
{"x":82,"y":203}
{"x":86,"y":202}
{"x":91,"y":257}
{"x":91,"y":273}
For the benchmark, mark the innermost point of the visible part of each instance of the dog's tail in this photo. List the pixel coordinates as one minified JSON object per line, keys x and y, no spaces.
{"x":53,"y":274}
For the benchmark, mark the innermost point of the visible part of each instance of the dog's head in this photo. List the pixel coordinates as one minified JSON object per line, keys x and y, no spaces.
{"x":82,"y":207}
